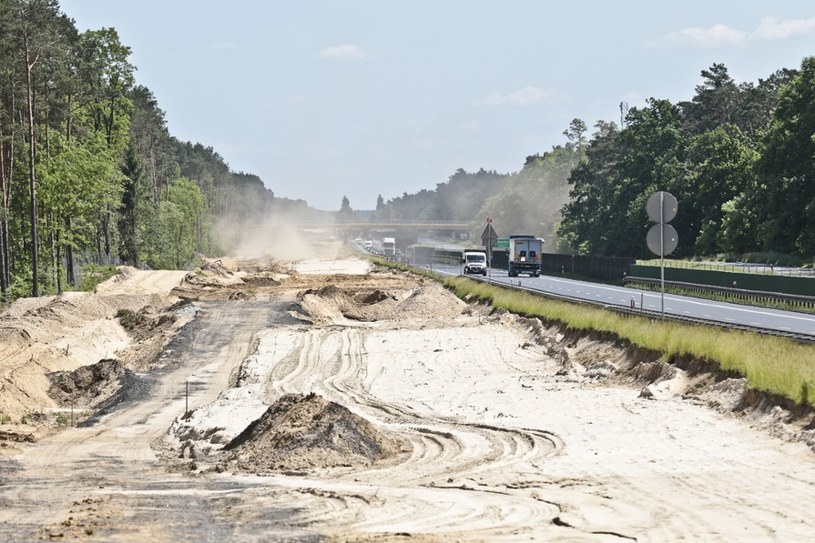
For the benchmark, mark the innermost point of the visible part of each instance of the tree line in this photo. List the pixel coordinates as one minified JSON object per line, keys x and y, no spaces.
{"x":89,"y":172}
{"x":739,"y":158}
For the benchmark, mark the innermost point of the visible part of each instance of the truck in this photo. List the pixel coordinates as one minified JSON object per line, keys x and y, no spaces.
{"x":524,"y":255}
{"x":389,"y":247}
{"x":475,"y":262}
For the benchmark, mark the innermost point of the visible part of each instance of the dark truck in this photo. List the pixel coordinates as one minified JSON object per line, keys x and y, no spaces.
{"x":525,"y":255}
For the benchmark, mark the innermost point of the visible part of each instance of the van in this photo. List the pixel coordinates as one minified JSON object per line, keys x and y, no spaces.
{"x":475,"y":262}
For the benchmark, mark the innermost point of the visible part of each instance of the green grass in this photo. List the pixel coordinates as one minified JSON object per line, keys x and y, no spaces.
{"x":770,"y":364}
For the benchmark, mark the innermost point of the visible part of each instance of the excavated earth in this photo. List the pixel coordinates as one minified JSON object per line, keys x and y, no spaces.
{"x":261,"y":400}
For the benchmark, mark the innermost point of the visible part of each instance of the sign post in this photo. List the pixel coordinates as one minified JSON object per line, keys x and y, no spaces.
{"x":662,"y":238}
{"x":488,"y":239}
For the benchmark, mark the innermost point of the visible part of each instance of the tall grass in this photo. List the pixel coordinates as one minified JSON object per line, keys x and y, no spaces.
{"x":770,"y":364}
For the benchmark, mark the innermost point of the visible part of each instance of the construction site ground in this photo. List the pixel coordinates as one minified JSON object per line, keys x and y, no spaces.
{"x":329,"y":400}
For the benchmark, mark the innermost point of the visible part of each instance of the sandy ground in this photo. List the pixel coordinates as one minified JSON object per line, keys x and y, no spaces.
{"x":477,"y":426}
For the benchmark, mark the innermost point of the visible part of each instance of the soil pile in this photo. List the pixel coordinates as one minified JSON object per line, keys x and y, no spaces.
{"x":87,"y":385}
{"x":333,"y":304}
{"x":53,"y":334}
{"x":300,"y":432}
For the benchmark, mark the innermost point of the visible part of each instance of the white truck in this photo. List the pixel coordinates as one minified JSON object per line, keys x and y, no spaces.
{"x":389,"y":247}
{"x":525,"y":255}
{"x":475,"y":262}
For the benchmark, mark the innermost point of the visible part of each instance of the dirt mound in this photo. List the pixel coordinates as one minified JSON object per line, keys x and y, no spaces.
{"x":98,"y":387}
{"x":211,"y":274}
{"x":374,"y":297}
{"x":431,"y":302}
{"x":300,"y":432}
{"x":334,"y":303}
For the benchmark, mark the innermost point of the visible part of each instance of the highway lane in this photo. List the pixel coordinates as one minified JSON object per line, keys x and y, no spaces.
{"x":684,"y":306}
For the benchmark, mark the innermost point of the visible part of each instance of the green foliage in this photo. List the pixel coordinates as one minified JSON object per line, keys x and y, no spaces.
{"x":5,"y":419}
{"x":732,"y":156}
{"x":93,"y":275}
{"x":61,"y":420}
{"x":183,"y":226}
{"x":786,"y":168}
{"x":105,"y":166}
{"x":127,"y":318}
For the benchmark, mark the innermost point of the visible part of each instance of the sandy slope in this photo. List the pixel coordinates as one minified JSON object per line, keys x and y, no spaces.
{"x":510,"y":439}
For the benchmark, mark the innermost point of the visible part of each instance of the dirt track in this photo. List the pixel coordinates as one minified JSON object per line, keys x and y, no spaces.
{"x":509,"y":430}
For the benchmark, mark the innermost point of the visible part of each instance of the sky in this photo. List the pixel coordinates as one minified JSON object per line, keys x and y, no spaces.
{"x":367,"y":98}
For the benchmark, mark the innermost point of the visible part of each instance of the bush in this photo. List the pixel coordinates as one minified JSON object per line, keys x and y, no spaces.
{"x":127,"y":318}
{"x":92,"y":275}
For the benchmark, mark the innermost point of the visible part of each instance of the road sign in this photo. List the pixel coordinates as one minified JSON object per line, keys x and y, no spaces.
{"x":489,"y":220}
{"x":489,"y":237}
{"x":502,"y":243}
{"x":661,"y":207}
{"x":670,"y":239}
{"x":661,"y":238}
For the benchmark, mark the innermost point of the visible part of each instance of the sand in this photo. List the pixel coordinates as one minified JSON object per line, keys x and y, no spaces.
{"x":375,"y":406}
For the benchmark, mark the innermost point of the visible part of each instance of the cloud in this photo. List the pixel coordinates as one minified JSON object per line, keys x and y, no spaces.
{"x":343,"y":52}
{"x":707,"y":38}
{"x":526,"y":96}
{"x":771,"y":28}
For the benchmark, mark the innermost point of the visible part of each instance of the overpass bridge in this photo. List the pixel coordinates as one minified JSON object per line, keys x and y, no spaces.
{"x":388,"y":224}
{"x":406,"y":232}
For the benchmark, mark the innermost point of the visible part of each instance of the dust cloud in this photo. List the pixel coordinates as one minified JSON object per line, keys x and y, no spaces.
{"x":283,"y":238}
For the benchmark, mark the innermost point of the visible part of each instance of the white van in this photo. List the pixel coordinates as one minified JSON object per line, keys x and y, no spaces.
{"x":475,"y":262}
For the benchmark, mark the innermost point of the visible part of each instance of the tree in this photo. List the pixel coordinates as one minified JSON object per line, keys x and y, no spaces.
{"x":181,"y":215}
{"x":786,"y":170}
{"x":345,"y":213}
{"x":37,"y":39}
{"x":715,"y":102}
{"x":576,"y":134}
{"x":719,"y":166}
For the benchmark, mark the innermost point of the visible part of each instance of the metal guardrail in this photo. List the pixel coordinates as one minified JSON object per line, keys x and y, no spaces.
{"x":738,"y":294}
{"x":732,"y":267}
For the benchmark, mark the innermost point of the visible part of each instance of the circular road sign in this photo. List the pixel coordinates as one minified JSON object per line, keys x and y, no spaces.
{"x":669,"y":242}
{"x":668,"y":210}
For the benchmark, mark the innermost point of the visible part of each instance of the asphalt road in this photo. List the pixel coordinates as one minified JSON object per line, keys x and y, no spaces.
{"x":685,"y":306}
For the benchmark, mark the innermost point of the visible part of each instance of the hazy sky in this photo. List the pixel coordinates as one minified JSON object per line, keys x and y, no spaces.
{"x":366,"y":98}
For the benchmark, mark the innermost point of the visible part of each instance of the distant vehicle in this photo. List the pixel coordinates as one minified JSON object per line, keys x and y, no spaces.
{"x":389,"y":247}
{"x":525,"y":255}
{"x":475,"y":262}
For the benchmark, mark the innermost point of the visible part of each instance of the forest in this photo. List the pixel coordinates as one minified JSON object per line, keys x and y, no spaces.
{"x":90,"y":175}
{"x":738,"y":157}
